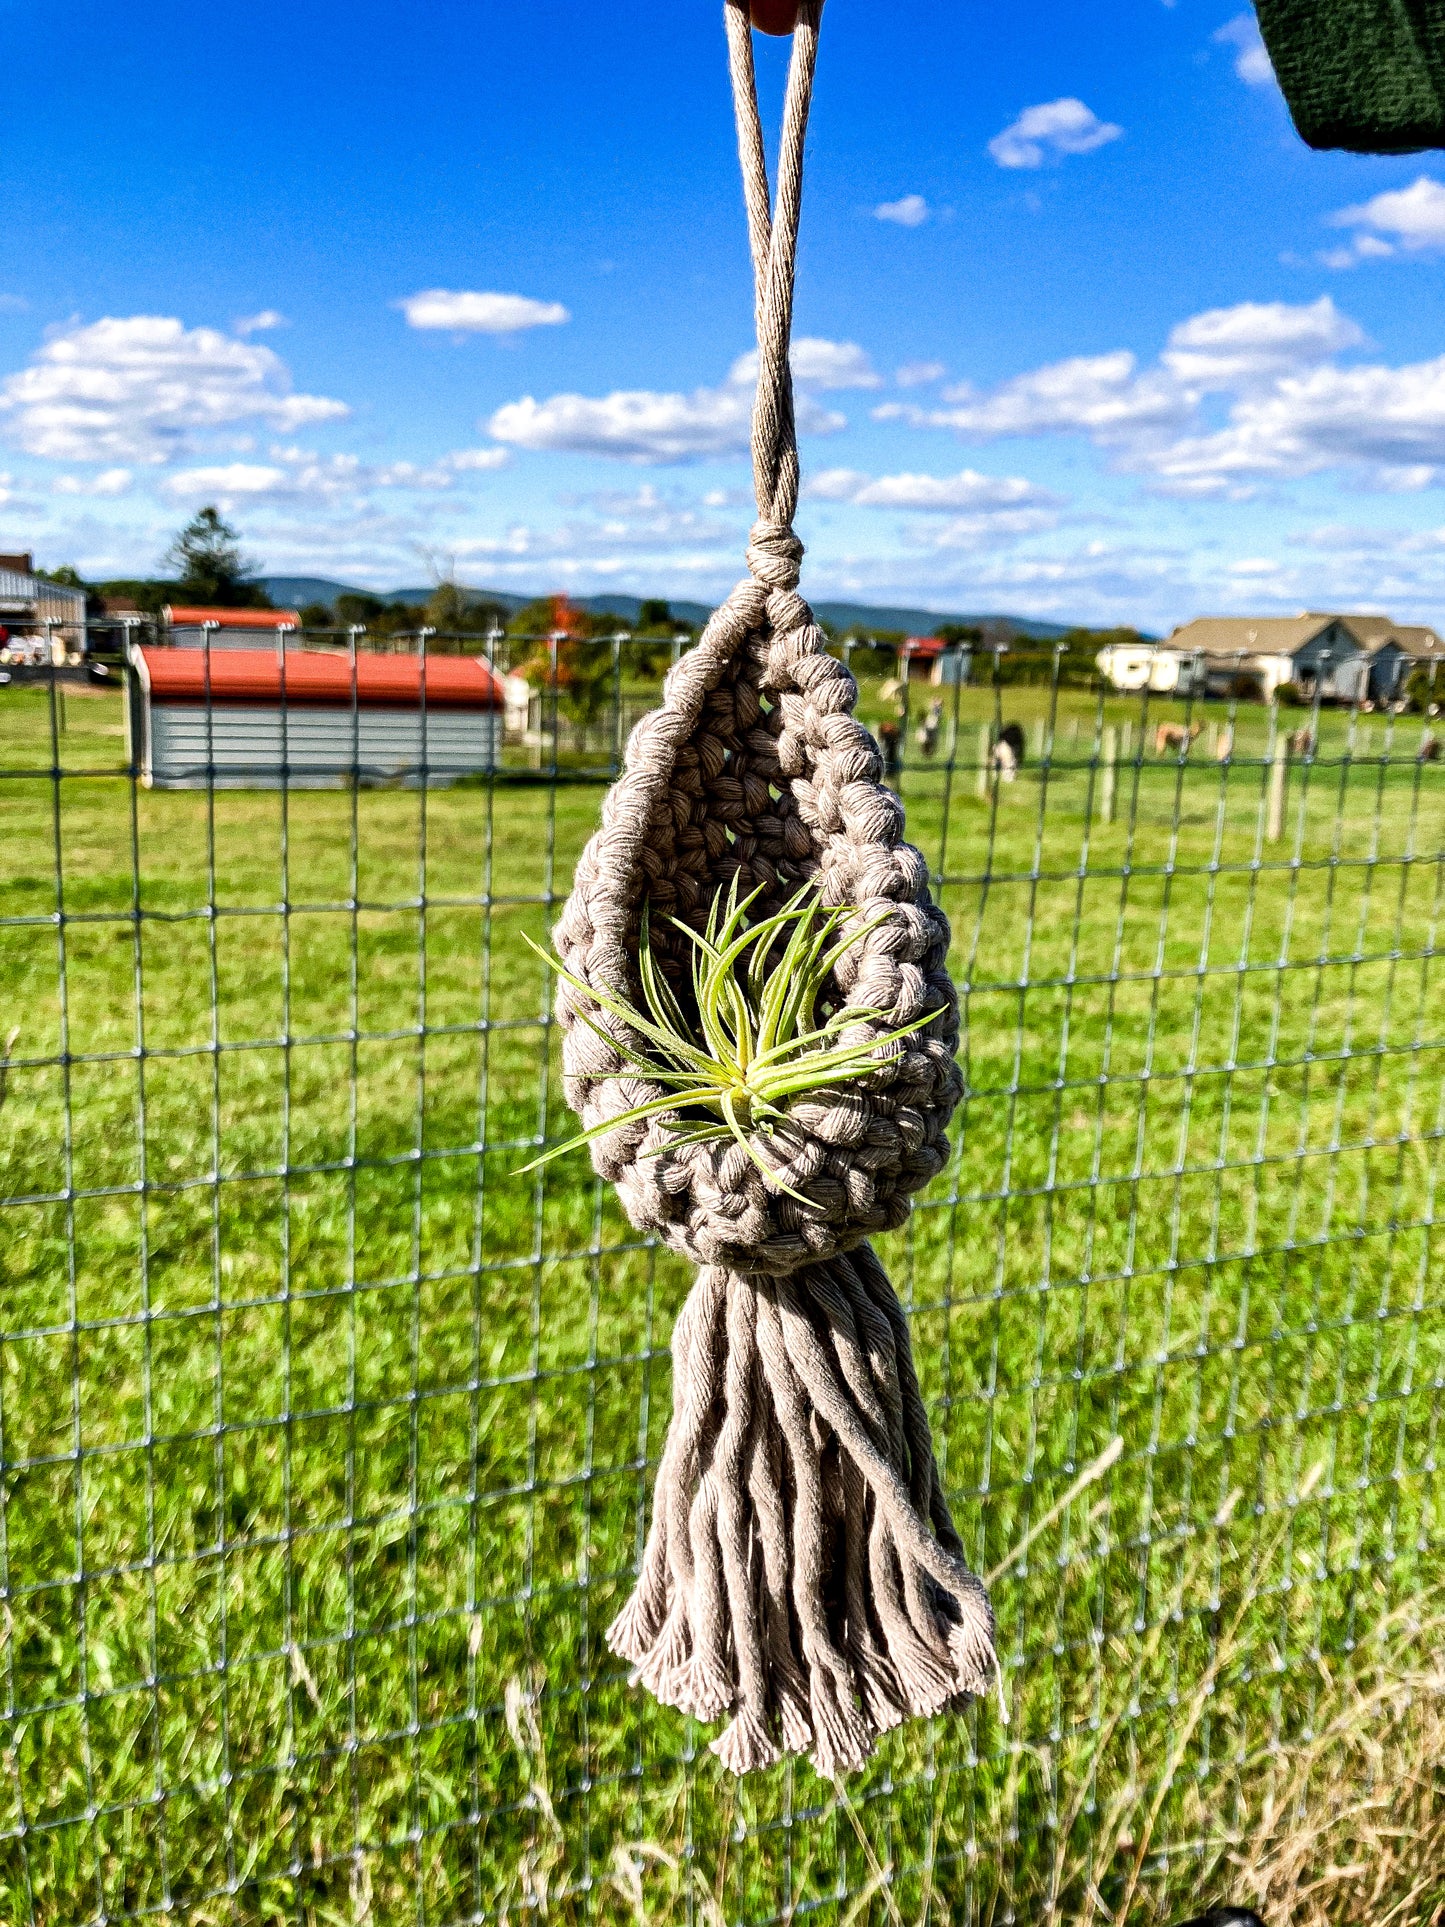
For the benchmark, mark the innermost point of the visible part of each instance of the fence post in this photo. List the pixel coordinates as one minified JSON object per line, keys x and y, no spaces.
{"x":985,"y":764}
{"x":1040,"y":736}
{"x":1108,"y":761}
{"x":1126,"y":741}
{"x":1278,"y":769}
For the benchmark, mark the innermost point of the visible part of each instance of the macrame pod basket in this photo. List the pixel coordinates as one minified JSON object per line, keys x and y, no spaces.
{"x":802,"y":1576}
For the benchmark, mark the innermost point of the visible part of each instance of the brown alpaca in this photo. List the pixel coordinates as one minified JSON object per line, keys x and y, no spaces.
{"x":1174,"y":736}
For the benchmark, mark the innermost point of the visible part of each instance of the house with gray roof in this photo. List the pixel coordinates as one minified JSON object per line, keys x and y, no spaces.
{"x":1337,"y":657}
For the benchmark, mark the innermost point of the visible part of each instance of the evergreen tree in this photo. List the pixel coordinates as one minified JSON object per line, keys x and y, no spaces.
{"x":211,"y":570}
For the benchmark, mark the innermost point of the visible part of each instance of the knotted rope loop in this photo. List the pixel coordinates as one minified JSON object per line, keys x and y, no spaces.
{"x":775,"y":555}
{"x":801,"y":1571}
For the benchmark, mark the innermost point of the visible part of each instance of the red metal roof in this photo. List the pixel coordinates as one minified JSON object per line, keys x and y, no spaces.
{"x":317,"y":679}
{"x":923,"y":646}
{"x":234,"y":618}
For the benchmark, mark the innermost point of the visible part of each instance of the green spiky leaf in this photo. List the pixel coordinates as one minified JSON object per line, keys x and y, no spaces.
{"x":757,"y":1044}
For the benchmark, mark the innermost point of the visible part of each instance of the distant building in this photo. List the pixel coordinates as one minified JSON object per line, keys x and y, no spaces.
{"x":39,"y":619}
{"x":1257,"y":655}
{"x":1157,"y":667}
{"x":955,"y":665}
{"x":917,"y":656}
{"x":187,"y":628}
{"x":518,"y":696}
{"x":1337,"y":657}
{"x":1395,"y":650}
{"x":253,"y":718}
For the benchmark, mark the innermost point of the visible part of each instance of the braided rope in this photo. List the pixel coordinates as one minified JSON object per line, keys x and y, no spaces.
{"x":801,"y":1570}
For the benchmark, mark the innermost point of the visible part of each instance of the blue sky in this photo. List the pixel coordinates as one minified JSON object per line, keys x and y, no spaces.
{"x":1085,"y":332}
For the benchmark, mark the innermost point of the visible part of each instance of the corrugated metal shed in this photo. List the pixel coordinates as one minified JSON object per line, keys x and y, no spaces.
{"x":188,"y":626}
{"x":249,"y":718}
{"x":32,"y":598}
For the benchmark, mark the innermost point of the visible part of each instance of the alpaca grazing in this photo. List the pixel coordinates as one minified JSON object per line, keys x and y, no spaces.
{"x":1175,"y":736}
{"x":1008,"y":752}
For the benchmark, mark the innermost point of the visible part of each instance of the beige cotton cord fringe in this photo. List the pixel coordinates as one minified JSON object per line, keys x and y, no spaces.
{"x":802,"y":1576}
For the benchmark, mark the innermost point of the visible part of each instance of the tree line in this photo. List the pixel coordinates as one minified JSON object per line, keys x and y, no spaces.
{"x":550,"y":641}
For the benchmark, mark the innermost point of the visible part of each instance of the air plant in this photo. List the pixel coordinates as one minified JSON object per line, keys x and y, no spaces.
{"x":757,"y":1042}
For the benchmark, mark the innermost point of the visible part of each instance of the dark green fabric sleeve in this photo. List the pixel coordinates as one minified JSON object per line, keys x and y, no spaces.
{"x":1368,"y":75}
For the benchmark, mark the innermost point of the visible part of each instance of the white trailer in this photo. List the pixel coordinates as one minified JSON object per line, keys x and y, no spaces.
{"x":1134,"y":667}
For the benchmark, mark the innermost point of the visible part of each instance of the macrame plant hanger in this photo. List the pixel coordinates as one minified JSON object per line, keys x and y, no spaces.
{"x":802,"y":1575}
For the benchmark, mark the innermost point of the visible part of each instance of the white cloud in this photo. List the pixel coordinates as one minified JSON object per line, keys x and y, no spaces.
{"x":1251,"y":61}
{"x":295,"y":474}
{"x":467,"y":460}
{"x":918,"y":374}
{"x":835,"y":485}
{"x":817,"y":363}
{"x":995,"y":526}
{"x":1101,"y":394}
{"x":642,"y":538}
{"x":1327,"y":417}
{"x":464,"y":312}
{"x":911,"y":211}
{"x":1413,"y":219}
{"x":1361,"y":247}
{"x":977,"y":508}
{"x":966,"y":490}
{"x":421,"y":475}
{"x":1054,"y":128}
{"x":256,"y":324}
{"x":642,"y":528}
{"x":1407,"y":478}
{"x":225,"y":479}
{"x":642,"y":425}
{"x":832,"y":364}
{"x":110,"y":481}
{"x":144,"y":387}
{"x":1293,"y":409}
{"x":1099,"y":581}
{"x":1256,"y":341}
{"x":636,"y":425}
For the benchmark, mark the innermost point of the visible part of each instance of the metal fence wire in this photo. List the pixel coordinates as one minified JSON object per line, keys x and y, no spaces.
{"x":326,"y":1438}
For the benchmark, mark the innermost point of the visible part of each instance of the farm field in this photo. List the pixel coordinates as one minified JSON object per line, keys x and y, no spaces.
{"x":326,"y":1438}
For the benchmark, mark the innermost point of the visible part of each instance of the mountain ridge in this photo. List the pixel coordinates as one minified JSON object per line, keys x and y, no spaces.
{"x":294,"y":590}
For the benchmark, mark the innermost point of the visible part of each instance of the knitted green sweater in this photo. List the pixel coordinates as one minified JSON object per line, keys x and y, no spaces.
{"x":1363,"y":74}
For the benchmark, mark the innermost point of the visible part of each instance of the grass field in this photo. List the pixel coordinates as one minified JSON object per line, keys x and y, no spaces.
{"x":325,"y":1438}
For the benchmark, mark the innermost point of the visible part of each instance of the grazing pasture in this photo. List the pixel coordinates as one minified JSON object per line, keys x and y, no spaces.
{"x":326,"y":1438}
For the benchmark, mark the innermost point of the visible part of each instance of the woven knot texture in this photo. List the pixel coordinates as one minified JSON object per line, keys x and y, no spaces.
{"x":755,"y":768}
{"x":802,"y":1572}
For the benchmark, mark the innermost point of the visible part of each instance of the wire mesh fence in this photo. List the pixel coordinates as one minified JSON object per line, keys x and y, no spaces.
{"x":325,"y":1438}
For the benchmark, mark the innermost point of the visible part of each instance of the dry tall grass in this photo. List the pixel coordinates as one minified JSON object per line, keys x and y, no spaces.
{"x":1343,"y":1827}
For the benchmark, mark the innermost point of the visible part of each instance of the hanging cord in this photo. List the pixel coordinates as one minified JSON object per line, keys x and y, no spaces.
{"x":801,"y":1571}
{"x":773,"y":234}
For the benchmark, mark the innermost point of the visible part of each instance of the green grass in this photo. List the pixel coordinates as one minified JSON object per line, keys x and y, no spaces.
{"x":324,"y":1436}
